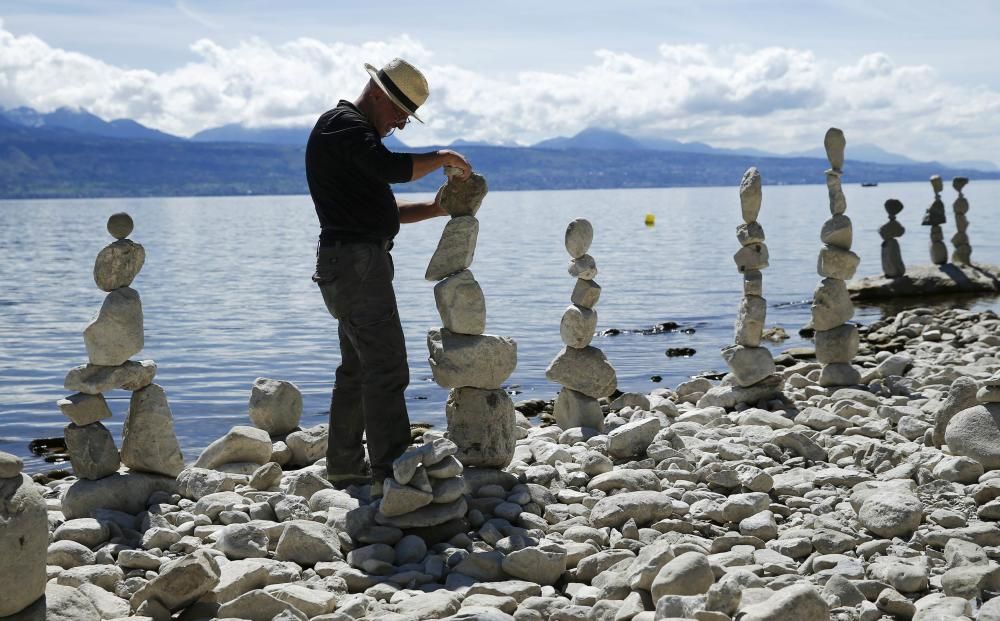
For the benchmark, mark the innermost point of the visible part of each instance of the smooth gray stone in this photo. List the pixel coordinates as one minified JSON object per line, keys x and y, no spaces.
{"x":543,"y":564}
{"x":275,"y":406}
{"x":586,"y":293}
{"x":116,"y":333}
{"x":687,"y":574}
{"x":585,"y":370}
{"x":752,"y":233}
{"x":482,"y":424}
{"x":579,"y":236}
{"x":838,"y":231}
{"x":577,"y":326}
{"x":939,"y":252}
{"x":11,"y":466}
{"x":728,"y":396}
{"x":306,"y":542}
{"x":750,"y":320}
{"x":838,"y":344}
{"x":584,"y":267}
{"x":240,"y":444}
{"x":94,"y":379}
{"x":891,"y":514}
{"x":838,"y":203}
{"x":461,"y":304}
{"x":832,"y":304}
{"x":753,"y":283}
{"x":398,"y":499}
{"x":125,"y":492}
{"x":750,"y":195}
{"x":24,"y":539}
{"x":891,"y":229}
{"x":839,"y":374}
{"x":455,"y":249}
{"x":92,"y":450}
{"x":645,"y":507}
{"x":575,"y":409}
{"x":837,"y":263}
{"x":463,"y":198}
{"x":752,"y":257}
{"x":892,"y":259}
{"x":975,"y":433}
{"x":962,"y":395}
{"x":148,"y":440}
{"x":479,"y":361}
{"x":433,"y":514}
{"x":181,"y":582}
{"x":834,"y":142}
{"x":84,"y":409}
{"x":748,"y":364}
{"x":118,"y":264}
{"x":120,"y":225}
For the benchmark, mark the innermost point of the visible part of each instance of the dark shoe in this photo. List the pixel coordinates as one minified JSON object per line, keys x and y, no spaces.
{"x":343,"y":481}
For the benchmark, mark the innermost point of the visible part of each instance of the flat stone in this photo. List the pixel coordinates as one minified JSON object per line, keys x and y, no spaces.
{"x":447,"y":490}
{"x":463,"y":197}
{"x":446,"y":468}
{"x":831,"y":305}
{"x":577,"y":326}
{"x":752,"y":257}
{"x":433,"y":514}
{"x":838,"y":232}
{"x":585,"y":370}
{"x":482,"y":424}
{"x":579,"y":236}
{"x":729,"y":395}
{"x":94,"y":379}
{"x":586,"y":293}
{"x":575,"y":409}
{"x":461,"y":304}
{"x":399,"y":499}
{"x":750,"y":195}
{"x":837,"y":263}
{"x":84,"y":409}
{"x":148,"y":440}
{"x":240,"y":444}
{"x":181,"y":582}
{"x":118,"y":264}
{"x":750,"y":320}
{"x":838,"y":344}
{"x":116,"y":333}
{"x":126,"y":492}
{"x":645,"y":507}
{"x":455,"y":249}
{"x":92,"y":450}
{"x":923,"y":280}
{"x":24,"y":539}
{"x":478,"y":361}
{"x":748,"y":364}
{"x":584,"y":268}
{"x":275,"y":406}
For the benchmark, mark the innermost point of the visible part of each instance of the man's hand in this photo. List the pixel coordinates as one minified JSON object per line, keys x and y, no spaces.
{"x":452,"y":159}
{"x":424,"y":163}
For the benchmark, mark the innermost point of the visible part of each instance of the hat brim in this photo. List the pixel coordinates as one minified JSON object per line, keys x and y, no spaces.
{"x":373,"y":72}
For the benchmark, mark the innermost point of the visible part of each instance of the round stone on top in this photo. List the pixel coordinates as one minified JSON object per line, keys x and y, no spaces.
{"x":959,"y":182}
{"x":579,"y":235}
{"x":120,"y":225}
{"x":893,"y":206}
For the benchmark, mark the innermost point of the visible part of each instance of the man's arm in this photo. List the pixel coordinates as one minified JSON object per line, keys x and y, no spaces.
{"x":425,"y":163}
{"x":414,"y":211}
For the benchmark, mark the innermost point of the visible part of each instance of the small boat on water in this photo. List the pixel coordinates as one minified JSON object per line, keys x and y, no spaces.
{"x":870,"y":184}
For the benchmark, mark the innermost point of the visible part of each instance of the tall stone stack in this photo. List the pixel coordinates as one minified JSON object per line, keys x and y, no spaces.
{"x":836,"y":340}
{"x":892,"y":257}
{"x":960,"y":240}
{"x":934,"y":218}
{"x":749,"y":362}
{"x":112,"y":338}
{"x":472,"y":364}
{"x":581,"y":369}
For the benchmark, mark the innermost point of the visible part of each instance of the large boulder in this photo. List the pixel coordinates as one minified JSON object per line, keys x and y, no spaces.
{"x":241,"y":444}
{"x":125,"y":492}
{"x":975,"y":433}
{"x":24,"y":539}
{"x":148,"y":440}
{"x":275,"y":406}
{"x":115,"y":334}
{"x":482,"y":424}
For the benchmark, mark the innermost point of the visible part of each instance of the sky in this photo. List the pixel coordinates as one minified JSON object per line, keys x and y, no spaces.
{"x":917,"y":78}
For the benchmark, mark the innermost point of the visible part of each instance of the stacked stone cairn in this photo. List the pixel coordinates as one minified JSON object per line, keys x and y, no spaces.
{"x":934,"y":218}
{"x":749,"y":362}
{"x":112,"y":338}
{"x":24,"y":540}
{"x":960,"y":240}
{"x":892,"y":257}
{"x":471,"y":364}
{"x":581,"y":369}
{"x":836,"y":340}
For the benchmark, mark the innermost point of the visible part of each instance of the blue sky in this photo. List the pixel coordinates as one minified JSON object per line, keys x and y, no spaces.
{"x":915,"y":77}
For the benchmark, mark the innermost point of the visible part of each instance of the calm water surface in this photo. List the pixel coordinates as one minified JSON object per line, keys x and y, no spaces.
{"x":227,"y":295}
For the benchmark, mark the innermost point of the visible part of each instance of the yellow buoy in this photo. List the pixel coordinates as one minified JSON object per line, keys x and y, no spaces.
{"x":650,"y":219}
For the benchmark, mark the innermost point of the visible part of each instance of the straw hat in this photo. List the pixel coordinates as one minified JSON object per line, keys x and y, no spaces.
{"x":403,"y":83}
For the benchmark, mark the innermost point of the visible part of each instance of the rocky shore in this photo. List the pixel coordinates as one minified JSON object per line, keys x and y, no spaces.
{"x":877,"y":501}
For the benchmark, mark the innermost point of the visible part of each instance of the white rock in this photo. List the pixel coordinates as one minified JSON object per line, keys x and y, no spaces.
{"x":584,"y":370}
{"x":834,"y":262}
{"x":832,"y":304}
{"x":115,"y":334}
{"x":455,"y":249}
{"x":838,"y":231}
{"x":463,"y":197}
{"x":242,"y":541}
{"x":240,"y":444}
{"x":687,"y":574}
{"x":275,"y":406}
{"x":891,"y":514}
{"x":181,"y":582}
{"x":644,"y":507}
{"x":750,"y":320}
{"x":750,"y":195}
{"x":839,"y":344}
{"x":461,"y":304}
{"x":748,"y":364}
{"x":24,"y":539}
{"x":753,"y":257}
{"x":308,"y":445}
{"x":577,"y":326}
{"x":478,"y":361}
{"x":579,"y":236}
{"x":632,"y":439}
{"x":195,"y":483}
{"x":307,"y":543}
{"x":148,"y":440}
{"x":975,"y":433}
{"x":260,"y":606}
{"x":800,"y":602}
{"x":543,"y":565}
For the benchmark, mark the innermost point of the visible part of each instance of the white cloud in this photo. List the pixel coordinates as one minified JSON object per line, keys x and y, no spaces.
{"x":773,"y":98}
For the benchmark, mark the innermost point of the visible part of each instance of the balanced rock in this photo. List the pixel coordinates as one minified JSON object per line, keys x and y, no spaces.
{"x":461,"y":304}
{"x":94,"y":379}
{"x":24,"y":539}
{"x":92,"y":450}
{"x":750,"y":195}
{"x":834,"y":142}
{"x":275,"y":406}
{"x":118,"y":264}
{"x":120,"y":225}
{"x":748,"y":364}
{"x":148,"y":440}
{"x":832,"y":304}
{"x":585,"y":370}
{"x":84,"y":409}
{"x":750,"y":320}
{"x":398,"y":499}
{"x":937,"y":183}
{"x":240,"y":444}
{"x":577,"y":326}
{"x":479,"y":361}
{"x":579,"y":236}
{"x":583,"y":267}
{"x":455,"y":249}
{"x":838,"y":232}
{"x":586,"y":293}
{"x":463,"y":197}
{"x":837,"y":263}
{"x":482,"y":424}
{"x":752,"y":257}
{"x":838,"y":344}
{"x":115,"y":335}
{"x":433,"y":514}
{"x":575,"y":409}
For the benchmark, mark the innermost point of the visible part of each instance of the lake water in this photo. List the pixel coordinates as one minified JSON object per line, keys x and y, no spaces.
{"x":227,"y":295}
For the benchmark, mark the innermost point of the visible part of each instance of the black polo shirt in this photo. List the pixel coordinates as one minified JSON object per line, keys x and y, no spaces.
{"x":349,"y":171}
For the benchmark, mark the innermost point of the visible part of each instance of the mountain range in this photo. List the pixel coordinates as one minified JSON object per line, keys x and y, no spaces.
{"x":67,"y":153}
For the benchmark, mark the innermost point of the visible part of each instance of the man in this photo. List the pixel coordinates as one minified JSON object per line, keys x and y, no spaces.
{"x":349,"y":171}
